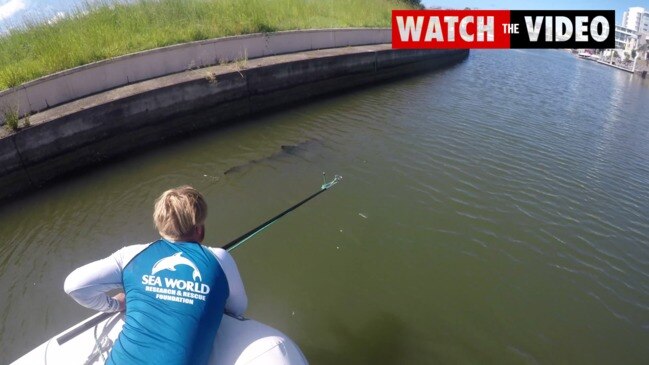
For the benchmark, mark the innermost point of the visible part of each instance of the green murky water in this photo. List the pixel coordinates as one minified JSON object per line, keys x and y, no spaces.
{"x":493,"y":212}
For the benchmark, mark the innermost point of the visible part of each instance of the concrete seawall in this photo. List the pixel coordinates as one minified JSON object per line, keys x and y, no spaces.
{"x":112,"y":123}
{"x":78,"y":82}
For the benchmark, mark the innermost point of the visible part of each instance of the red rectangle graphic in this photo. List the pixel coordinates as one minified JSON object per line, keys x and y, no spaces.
{"x":447,"y":29}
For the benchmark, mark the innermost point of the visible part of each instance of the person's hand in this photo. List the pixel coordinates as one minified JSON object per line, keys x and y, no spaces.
{"x":121,"y":299}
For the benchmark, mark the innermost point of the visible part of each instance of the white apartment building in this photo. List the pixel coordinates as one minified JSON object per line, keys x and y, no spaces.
{"x":637,"y":19}
{"x":625,"y":38}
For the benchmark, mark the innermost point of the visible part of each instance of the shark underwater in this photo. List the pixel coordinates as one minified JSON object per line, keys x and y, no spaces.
{"x":291,"y":150}
{"x":170,"y":263}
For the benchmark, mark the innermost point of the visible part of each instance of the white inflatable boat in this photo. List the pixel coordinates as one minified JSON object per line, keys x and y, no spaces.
{"x":239,"y":341}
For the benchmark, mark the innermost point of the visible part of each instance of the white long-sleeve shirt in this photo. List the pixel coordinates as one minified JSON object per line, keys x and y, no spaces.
{"x":89,"y":284}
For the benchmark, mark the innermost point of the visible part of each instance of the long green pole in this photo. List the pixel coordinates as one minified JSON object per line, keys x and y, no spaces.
{"x":244,"y":237}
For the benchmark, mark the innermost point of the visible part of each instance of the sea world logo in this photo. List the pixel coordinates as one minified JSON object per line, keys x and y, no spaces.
{"x":170,"y":263}
{"x":463,"y":29}
{"x":170,"y":285}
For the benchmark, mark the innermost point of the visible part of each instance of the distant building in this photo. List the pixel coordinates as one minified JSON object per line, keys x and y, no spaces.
{"x":637,"y":19}
{"x":625,"y":38}
{"x":631,"y":50}
{"x":642,"y":62}
{"x":642,"y":47}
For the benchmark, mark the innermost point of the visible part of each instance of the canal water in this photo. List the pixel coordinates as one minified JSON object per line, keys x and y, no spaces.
{"x":493,"y":212}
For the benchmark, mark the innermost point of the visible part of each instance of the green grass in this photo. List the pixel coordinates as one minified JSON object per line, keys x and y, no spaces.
{"x":12,"y":118}
{"x":101,"y":31}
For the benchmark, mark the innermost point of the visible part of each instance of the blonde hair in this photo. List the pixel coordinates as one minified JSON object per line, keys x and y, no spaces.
{"x":177,"y":212}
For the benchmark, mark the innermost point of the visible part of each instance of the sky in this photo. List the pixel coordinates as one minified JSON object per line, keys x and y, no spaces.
{"x":13,"y":12}
{"x":619,"y":6}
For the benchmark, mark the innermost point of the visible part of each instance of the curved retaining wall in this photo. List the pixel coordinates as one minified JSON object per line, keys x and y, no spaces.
{"x":98,"y":127}
{"x":68,"y":85}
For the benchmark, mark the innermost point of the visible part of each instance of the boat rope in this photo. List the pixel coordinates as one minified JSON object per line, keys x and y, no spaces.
{"x":46,"y":348}
{"x":102,"y":343}
{"x":98,"y":348}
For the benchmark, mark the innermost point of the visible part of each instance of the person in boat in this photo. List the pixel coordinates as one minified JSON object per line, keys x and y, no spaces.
{"x":175,"y":290}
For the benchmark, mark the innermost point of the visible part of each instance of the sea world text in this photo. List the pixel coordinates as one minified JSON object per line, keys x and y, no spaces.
{"x":190,"y":286}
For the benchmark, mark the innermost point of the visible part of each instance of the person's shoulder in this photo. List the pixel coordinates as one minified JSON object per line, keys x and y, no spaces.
{"x":221,"y":255}
{"x":137,"y":248}
{"x":216,"y":251}
{"x":125,"y":254}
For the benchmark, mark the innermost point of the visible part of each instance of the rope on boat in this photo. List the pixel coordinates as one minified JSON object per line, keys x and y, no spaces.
{"x":98,"y":348}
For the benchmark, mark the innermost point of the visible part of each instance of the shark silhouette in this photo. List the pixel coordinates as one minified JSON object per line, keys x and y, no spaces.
{"x":169,"y":263}
{"x":290,"y":149}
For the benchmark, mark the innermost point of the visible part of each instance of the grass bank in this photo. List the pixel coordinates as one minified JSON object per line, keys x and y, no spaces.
{"x":100,"y":31}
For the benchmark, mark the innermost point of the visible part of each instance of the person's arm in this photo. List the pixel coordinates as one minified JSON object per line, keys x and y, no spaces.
{"x":237,"y":301}
{"x":89,"y":284}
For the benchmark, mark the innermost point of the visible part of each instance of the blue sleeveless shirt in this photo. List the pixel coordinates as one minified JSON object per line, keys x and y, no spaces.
{"x":175,"y":298}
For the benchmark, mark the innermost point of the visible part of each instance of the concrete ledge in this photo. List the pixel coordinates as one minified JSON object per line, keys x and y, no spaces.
{"x":68,"y":85}
{"x":112,"y":123}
